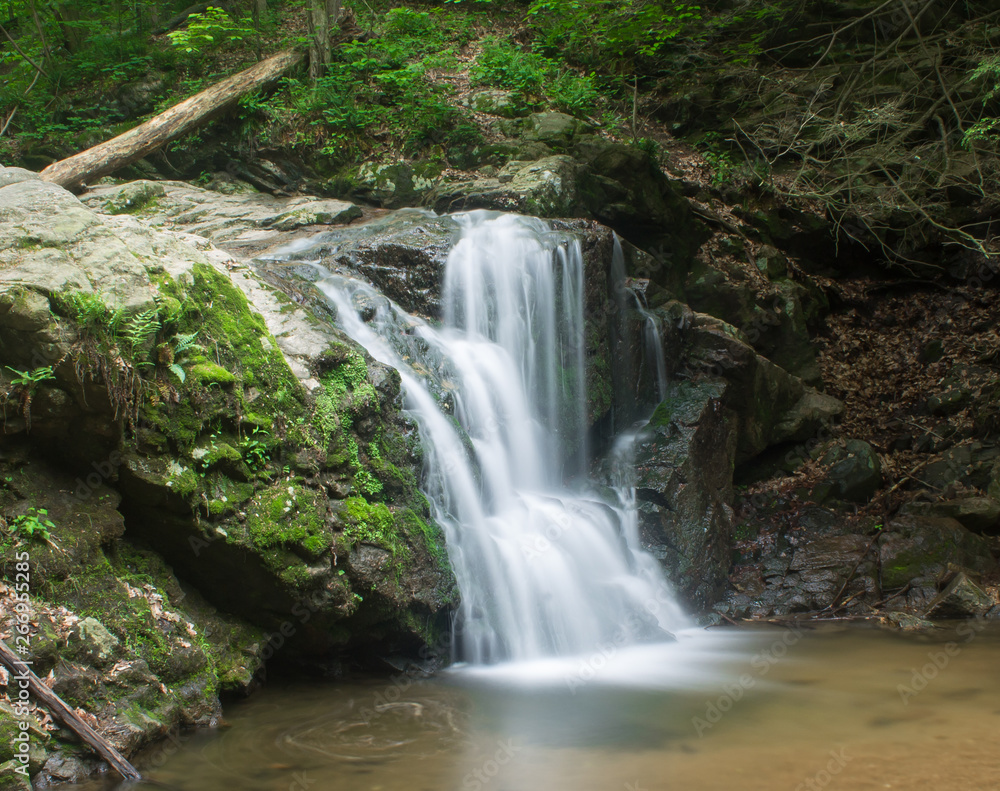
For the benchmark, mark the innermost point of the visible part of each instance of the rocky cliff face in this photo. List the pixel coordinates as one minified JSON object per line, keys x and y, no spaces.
{"x":182,"y":427}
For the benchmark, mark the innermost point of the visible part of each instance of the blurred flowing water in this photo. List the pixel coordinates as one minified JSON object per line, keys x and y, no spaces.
{"x":546,"y":569}
{"x":825,"y":708}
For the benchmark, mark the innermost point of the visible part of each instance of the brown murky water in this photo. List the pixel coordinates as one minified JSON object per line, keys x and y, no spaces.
{"x":826,"y":708}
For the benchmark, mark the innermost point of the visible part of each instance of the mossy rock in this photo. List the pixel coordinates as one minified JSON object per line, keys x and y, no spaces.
{"x":209,"y":373}
{"x":919,"y":547}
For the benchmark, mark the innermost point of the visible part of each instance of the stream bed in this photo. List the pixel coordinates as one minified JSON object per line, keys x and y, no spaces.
{"x":825,"y":706}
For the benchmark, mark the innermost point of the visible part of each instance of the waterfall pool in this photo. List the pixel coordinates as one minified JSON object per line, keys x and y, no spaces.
{"x":823,"y":707}
{"x":580,"y":671}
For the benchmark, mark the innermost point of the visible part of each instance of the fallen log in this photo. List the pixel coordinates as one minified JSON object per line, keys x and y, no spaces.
{"x":73,"y":172}
{"x":64,"y":714}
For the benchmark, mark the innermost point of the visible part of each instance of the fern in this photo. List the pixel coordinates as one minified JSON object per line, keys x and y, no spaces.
{"x":181,"y":345}
{"x":185,"y":343}
{"x":138,"y":330}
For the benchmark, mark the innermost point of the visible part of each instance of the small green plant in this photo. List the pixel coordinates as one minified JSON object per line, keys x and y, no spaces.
{"x":208,"y":30}
{"x":254,"y":450}
{"x":34,"y":524}
{"x":88,"y":310}
{"x":531,"y":77}
{"x":720,"y":159}
{"x":175,"y":349}
{"x":25,"y":383}
{"x":986,"y":129}
{"x":136,"y":332}
{"x":31,"y":379}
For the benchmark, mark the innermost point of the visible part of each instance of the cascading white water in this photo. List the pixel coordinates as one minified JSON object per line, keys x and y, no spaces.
{"x":543,"y":570}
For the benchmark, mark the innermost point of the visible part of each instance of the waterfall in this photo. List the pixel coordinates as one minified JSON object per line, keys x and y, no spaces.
{"x":545,"y":568}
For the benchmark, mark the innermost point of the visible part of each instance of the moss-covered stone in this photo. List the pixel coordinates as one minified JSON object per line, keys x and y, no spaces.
{"x":182,"y":419}
{"x":209,"y":373}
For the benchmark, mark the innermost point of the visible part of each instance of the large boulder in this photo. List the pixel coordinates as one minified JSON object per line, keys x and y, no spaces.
{"x":961,"y":599}
{"x":913,"y":549}
{"x":771,"y":406}
{"x":978,"y":514}
{"x":561,"y":170}
{"x":255,"y":450}
{"x":403,"y":254}
{"x":684,"y":464}
{"x":855,"y":473}
{"x":244,"y":221}
{"x":737,"y":405}
{"x":547,"y":187}
{"x":775,"y":317}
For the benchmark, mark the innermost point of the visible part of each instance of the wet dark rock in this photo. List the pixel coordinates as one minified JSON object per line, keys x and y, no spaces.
{"x":772,"y":406}
{"x":775,"y":321}
{"x":684,"y":487}
{"x":833,"y":564}
{"x":818,"y":571}
{"x":403,"y":254}
{"x":856,"y":473}
{"x":908,"y":623}
{"x":978,"y":514}
{"x":914,"y":547}
{"x":961,"y":599}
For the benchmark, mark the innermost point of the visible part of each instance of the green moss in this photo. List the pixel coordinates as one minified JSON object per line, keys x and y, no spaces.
{"x":209,"y":373}
{"x":365,"y":482}
{"x":347,"y":393}
{"x":429,"y":533}
{"x":296,"y":575}
{"x":684,"y":402}
{"x":183,"y":481}
{"x":238,"y":337}
{"x":373,"y":523}
{"x":263,"y":422}
{"x":288,"y":516}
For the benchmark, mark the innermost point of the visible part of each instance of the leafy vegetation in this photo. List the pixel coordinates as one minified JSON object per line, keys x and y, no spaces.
{"x":768,"y":92}
{"x":29,"y":380}
{"x":35,"y":524}
{"x":209,"y":30}
{"x":24,"y":385}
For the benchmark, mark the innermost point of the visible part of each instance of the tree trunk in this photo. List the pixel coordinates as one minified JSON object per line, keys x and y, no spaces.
{"x":64,"y":714}
{"x":68,"y":17}
{"x":259,"y":9}
{"x":127,"y":148}
{"x":322,"y":19}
